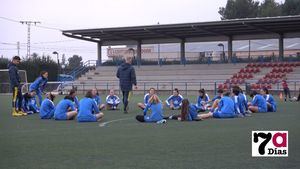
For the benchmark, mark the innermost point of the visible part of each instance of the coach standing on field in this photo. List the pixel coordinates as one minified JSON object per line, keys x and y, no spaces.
{"x":15,"y":83}
{"x":126,"y":75}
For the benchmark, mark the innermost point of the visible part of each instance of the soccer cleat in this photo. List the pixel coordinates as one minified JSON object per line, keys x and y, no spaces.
{"x":22,"y":113}
{"x":15,"y":113}
{"x":161,"y":121}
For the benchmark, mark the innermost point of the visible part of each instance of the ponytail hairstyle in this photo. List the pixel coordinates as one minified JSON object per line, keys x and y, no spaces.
{"x":51,"y":96}
{"x":184,"y":109}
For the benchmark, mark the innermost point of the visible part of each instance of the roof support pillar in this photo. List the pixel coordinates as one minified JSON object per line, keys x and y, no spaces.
{"x":139,"y":52}
{"x":281,"y":47}
{"x":229,"y":48}
{"x":99,"y":53}
{"x":182,"y":52}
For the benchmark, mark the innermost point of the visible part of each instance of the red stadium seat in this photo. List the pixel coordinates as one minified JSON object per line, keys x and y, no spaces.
{"x":269,"y":86}
{"x":250,"y":76}
{"x":242,"y":70}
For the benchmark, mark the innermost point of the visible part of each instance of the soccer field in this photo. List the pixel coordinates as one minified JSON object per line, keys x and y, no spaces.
{"x":28,"y":142}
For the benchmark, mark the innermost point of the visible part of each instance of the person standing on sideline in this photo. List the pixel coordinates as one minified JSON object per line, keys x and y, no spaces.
{"x":286,"y":89}
{"x":126,"y":75}
{"x":15,"y":84}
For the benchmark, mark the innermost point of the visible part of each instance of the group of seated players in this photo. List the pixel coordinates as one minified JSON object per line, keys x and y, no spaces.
{"x":228,"y":104}
{"x":87,"y":109}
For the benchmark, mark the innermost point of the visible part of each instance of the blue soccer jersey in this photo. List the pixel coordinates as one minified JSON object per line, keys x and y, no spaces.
{"x":176,"y":100}
{"x":62,"y":108}
{"x":260,"y":102}
{"x":156,"y":112}
{"x":270,"y":99}
{"x":47,"y":109}
{"x":88,"y":108}
{"x":113,"y":100}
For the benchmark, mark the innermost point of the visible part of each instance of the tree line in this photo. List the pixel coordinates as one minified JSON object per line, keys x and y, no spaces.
{"x":35,"y":64}
{"x":235,"y":9}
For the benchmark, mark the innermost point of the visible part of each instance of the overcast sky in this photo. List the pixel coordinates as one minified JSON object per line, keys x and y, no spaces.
{"x":77,"y":14}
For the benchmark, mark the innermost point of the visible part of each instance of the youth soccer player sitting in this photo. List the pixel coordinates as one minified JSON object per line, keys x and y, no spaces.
{"x":271,"y":103}
{"x":97,"y":99}
{"x":238,"y":99}
{"x":188,"y":112}
{"x":89,"y":111}
{"x":174,"y":101}
{"x":65,"y":109}
{"x":47,"y":108}
{"x":156,"y":111}
{"x":29,"y":103}
{"x":112,"y":100}
{"x":73,"y":95}
{"x":202,"y":101}
{"x":146,"y":98}
{"x":225,"y":109}
{"x":258,"y":104}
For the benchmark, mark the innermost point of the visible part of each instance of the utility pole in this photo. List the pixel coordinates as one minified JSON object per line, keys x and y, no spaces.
{"x":18,"y":48}
{"x":29,"y":23}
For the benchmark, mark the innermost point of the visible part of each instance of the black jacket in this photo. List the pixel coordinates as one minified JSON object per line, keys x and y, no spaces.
{"x":13,"y":75}
{"x":126,"y":74}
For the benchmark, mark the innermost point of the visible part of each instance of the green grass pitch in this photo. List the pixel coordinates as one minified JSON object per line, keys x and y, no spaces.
{"x":28,"y":142}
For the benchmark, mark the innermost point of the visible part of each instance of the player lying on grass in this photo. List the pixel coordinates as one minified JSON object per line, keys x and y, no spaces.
{"x":146,"y":98}
{"x":112,"y":100}
{"x":97,"y":99}
{"x":238,"y":98}
{"x":188,"y":112}
{"x":47,"y":108}
{"x":88,"y":109}
{"x":225,"y":109}
{"x":39,"y":85}
{"x":156,"y":114}
{"x":271,"y":103}
{"x":174,"y":101}
{"x":258,"y":103}
{"x":29,"y":104}
{"x":65,"y":109}
{"x":202,"y":100}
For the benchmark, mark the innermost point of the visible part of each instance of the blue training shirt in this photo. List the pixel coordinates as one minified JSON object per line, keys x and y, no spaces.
{"x":112,"y":100}
{"x":156,"y":112}
{"x":47,"y":109}
{"x":177,"y":100}
{"x":62,"y":109}
{"x":260,"y":102}
{"x":88,"y":108}
{"x":39,"y":84}
{"x":270,"y":99}
{"x":226,"y":106}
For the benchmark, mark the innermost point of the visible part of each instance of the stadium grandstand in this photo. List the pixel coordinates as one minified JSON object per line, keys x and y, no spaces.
{"x":253,"y":53}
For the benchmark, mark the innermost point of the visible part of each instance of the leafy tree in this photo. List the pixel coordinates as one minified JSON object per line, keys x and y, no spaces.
{"x":269,"y":8}
{"x":74,"y":62}
{"x":291,"y":7}
{"x":239,"y":9}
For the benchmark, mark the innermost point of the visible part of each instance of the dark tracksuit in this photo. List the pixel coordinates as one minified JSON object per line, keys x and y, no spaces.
{"x":15,"y":81}
{"x":126,"y":75}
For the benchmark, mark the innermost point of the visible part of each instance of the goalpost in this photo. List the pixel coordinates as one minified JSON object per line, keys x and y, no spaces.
{"x":5,"y":82}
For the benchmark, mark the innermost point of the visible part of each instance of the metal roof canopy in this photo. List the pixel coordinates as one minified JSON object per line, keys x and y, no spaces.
{"x":236,"y":29}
